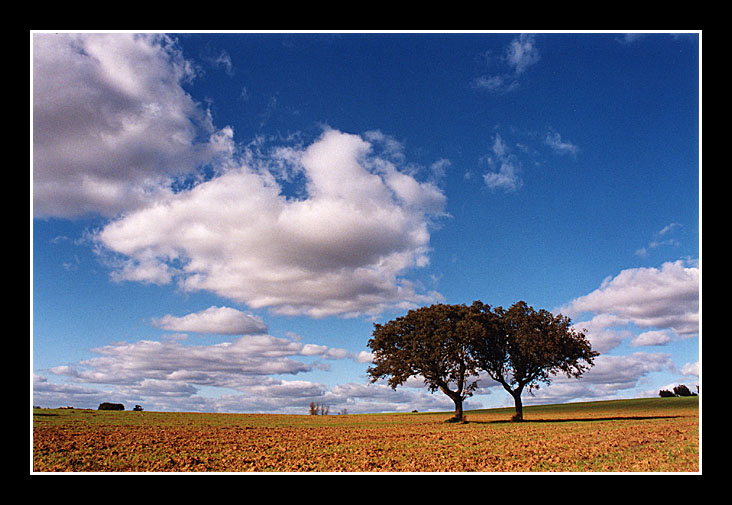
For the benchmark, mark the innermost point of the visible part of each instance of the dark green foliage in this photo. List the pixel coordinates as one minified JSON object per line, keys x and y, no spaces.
{"x":432,"y":342}
{"x":449,"y":344}
{"x":682,"y":390}
{"x":525,"y":347}
{"x":111,"y":406}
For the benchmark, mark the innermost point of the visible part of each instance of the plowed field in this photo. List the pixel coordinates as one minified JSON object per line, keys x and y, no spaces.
{"x":648,"y":435}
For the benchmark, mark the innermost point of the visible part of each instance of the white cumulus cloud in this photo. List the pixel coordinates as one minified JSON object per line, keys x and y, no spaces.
{"x":665,"y":298}
{"x":217,"y":320}
{"x":662,"y":301}
{"x":653,"y":337}
{"x":112,"y":123}
{"x":342,"y":248}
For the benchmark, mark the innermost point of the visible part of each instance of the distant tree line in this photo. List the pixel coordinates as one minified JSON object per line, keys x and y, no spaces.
{"x":680,"y":390}
{"x":323,"y":410}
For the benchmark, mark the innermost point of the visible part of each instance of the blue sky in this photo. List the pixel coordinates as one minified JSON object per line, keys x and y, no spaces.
{"x":218,"y":219}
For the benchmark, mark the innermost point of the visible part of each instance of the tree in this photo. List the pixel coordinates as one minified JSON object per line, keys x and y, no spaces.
{"x":520,"y":348}
{"x":111,"y":406}
{"x":319,"y":409}
{"x":431,"y":342}
{"x":682,"y":390}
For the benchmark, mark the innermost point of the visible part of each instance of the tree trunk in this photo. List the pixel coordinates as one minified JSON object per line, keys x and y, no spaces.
{"x":519,"y":415}
{"x":457,"y":398}
{"x":458,"y":408}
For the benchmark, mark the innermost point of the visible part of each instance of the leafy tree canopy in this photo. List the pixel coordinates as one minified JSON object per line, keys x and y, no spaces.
{"x":432,"y":342}
{"x":526,"y":347}
{"x":448,"y":345}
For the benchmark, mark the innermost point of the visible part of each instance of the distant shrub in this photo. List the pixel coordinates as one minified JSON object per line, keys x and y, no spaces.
{"x":111,"y":406}
{"x":682,"y":390}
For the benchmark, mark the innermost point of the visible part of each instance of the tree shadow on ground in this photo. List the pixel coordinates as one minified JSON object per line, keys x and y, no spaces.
{"x":574,"y":419}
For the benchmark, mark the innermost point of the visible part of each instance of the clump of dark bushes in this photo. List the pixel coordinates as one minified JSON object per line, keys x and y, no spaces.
{"x":680,"y":390}
{"x":111,"y":406}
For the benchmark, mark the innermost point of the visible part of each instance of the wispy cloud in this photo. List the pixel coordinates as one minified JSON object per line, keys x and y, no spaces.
{"x":506,"y":159}
{"x":224,"y":60}
{"x":660,"y":238}
{"x":520,"y":54}
{"x":496,"y":83}
{"x":629,"y":38}
{"x":559,"y":146}
{"x":505,"y":167}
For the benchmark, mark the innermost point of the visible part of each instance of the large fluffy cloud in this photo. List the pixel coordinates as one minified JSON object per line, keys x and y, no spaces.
{"x":115,"y":133}
{"x":662,"y":301}
{"x":341,"y":248}
{"x":112,"y":122}
{"x":665,"y":298}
